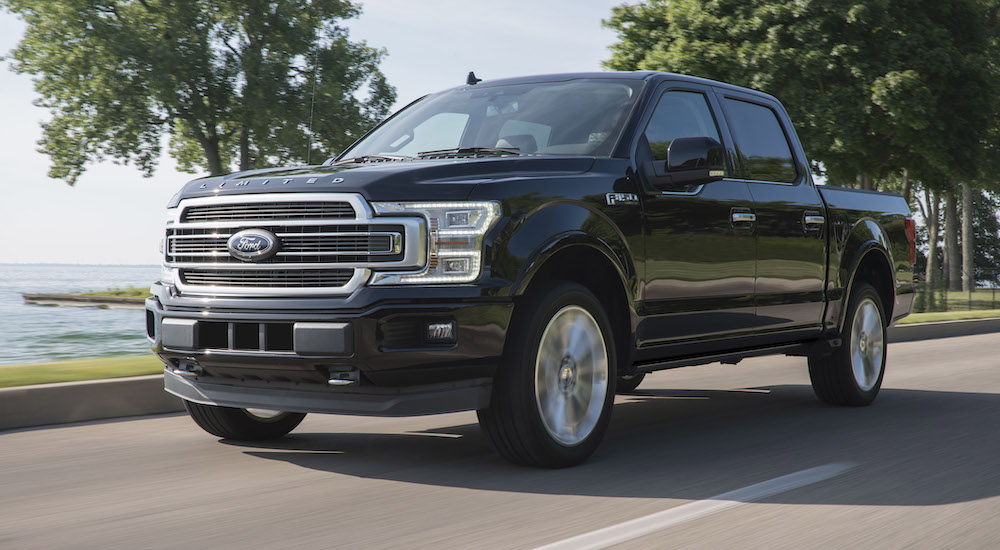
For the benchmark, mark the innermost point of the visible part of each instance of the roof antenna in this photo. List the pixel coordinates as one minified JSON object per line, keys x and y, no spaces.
{"x":312,"y":107}
{"x":471,"y":79}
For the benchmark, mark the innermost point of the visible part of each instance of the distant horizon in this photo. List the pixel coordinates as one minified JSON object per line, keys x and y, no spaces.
{"x":77,"y":264}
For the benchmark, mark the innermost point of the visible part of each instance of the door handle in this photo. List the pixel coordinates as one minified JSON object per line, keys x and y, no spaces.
{"x":813,"y":219}
{"x":744,"y":217}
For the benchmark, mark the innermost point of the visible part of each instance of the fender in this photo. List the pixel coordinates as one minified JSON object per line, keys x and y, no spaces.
{"x":866,"y":237}
{"x":558,"y":226}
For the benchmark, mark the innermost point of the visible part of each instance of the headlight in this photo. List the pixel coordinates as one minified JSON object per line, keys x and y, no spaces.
{"x":166,"y":273}
{"x":455,"y":237}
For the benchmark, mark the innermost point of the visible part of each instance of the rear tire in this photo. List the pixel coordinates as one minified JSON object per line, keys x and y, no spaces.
{"x":852,"y":374}
{"x":553,"y":393}
{"x":242,"y":424}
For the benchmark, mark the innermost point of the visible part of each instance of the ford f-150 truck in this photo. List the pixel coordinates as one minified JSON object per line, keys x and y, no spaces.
{"x":525,"y":248}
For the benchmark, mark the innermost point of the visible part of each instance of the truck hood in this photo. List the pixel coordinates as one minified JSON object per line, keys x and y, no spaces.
{"x":444,"y":179}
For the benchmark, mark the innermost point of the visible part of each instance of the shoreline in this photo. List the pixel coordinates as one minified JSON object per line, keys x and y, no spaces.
{"x":83,"y":300}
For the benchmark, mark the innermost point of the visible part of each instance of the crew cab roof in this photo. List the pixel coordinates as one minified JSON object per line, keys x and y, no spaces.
{"x":653,"y":76}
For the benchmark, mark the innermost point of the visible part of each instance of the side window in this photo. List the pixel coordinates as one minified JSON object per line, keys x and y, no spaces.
{"x":441,"y":131}
{"x":678,"y":115}
{"x":761,"y":144}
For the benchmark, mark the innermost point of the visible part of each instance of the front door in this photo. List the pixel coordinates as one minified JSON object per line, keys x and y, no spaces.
{"x":700,"y":263}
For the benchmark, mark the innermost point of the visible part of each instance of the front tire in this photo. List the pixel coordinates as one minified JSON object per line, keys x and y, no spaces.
{"x":627,"y":383}
{"x":553,"y":394}
{"x":852,"y":374}
{"x":242,"y":424}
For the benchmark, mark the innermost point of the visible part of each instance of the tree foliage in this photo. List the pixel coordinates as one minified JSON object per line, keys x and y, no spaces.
{"x":873,"y":86}
{"x":228,"y":81}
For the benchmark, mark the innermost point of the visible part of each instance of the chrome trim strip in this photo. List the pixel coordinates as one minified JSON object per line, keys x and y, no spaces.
{"x":278,"y":266}
{"x":356,"y":200}
{"x":226,"y":352}
{"x":359,"y":278}
{"x":694,"y":191}
{"x":794,"y":183}
{"x":268,"y":223}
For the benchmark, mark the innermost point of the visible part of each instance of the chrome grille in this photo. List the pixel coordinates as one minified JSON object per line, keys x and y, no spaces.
{"x":269,"y":211}
{"x":327,"y":244}
{"x":267,"y":278}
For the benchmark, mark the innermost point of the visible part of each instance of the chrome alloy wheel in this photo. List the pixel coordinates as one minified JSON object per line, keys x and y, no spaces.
{"x":265,"y":415}
{"x":867,"y":344}
{"x":571,"y":375}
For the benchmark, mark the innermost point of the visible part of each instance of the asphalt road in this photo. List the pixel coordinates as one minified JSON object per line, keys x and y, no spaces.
{"x":918,"y":469}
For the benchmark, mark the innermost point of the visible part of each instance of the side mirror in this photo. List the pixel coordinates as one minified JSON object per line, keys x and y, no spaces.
{"x":690,"y":161}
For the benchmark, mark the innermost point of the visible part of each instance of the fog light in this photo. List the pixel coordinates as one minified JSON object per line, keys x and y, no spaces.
{"x":441,"y":333}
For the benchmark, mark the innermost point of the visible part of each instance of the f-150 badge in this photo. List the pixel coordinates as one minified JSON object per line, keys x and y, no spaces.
{"x":621,"y":198}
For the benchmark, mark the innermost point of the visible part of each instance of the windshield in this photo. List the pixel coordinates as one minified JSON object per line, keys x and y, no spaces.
{"x":575,"y":117}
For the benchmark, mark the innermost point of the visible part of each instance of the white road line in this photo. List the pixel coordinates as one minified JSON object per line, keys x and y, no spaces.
{"x":633,"y":529}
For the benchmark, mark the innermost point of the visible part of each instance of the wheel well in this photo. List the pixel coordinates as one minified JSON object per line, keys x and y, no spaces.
{"x":592,"y":269}
{"x":874,"y":269}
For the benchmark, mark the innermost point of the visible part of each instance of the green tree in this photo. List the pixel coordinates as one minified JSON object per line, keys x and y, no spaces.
{"x":228,"y":81}
{"x":873,"y":87}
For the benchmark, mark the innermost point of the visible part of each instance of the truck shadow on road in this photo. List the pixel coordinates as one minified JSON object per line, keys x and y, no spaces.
{"x":911,"y":448}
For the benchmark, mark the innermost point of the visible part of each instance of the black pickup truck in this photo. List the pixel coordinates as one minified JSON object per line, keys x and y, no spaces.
{"x":525,"y":248}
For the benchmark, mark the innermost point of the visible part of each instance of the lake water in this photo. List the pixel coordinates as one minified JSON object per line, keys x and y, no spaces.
{"x":35,"y":334}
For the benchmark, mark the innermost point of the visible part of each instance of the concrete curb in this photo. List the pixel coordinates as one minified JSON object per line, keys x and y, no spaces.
{"x":26,"y":406}
{"x":943,"y":329}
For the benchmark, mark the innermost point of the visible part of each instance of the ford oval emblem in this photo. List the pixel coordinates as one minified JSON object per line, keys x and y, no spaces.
{"x":253,"y":245}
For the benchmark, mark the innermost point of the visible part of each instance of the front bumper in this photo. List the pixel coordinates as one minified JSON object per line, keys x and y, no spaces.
{"x":372,"y":360}
{"x":364,"y":401}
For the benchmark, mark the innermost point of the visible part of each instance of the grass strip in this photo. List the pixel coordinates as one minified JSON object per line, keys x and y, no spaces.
{"x":78,"y":369}
{"x":128,"y":292}
{"x":933,"y":316}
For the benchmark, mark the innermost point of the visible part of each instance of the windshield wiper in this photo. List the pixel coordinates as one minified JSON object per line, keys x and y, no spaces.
{"x":371,"y":158}
{"x":499,"y":151}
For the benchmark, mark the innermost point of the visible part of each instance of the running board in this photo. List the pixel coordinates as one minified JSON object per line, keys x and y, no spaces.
{"x":730,"y":358}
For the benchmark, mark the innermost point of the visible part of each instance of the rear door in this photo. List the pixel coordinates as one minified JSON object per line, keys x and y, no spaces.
{"x":791,"y":227}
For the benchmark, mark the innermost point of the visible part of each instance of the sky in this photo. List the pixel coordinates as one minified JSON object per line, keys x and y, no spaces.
{"x":113,"y":215}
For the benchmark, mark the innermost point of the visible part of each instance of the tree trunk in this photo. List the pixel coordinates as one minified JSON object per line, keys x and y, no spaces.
{"x":931,"y":273}
{"x":968,"y":241}
{"x":211,"y":150}
{"x":906,"y":186}
{"x":866,"y":182}
{"x":209,"y":144}
{"x":245,"y":162}
{"x":953,"y":260}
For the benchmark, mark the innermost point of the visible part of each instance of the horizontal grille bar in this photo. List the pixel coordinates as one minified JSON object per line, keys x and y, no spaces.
{"x":201,"y":245}
{"x":269,"y":211}
{"x":270,"y":278}
{"x":340,"y":244}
